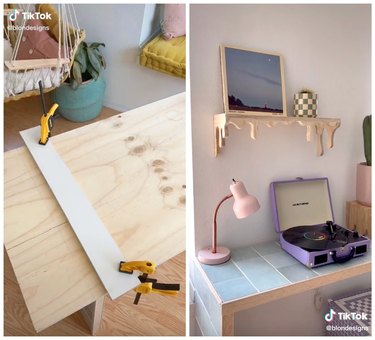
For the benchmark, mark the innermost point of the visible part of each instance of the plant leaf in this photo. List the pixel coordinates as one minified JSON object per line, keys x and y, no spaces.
{"x":104,"y":64}
{"x":92,"y":72}
{"x":81,"y":58}
{"x":96,"y":45}
{"x":94,"y":60}
{"x":77,"y":73}
{"x":74,"y":85}
{"x":100,"y":58}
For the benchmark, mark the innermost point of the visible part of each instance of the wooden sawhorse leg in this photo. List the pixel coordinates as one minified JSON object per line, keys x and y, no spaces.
{"x":92,"y":314}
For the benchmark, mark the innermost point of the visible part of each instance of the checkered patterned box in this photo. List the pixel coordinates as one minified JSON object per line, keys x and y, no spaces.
{"x":356,"y":324}
{"x":306,"y":105}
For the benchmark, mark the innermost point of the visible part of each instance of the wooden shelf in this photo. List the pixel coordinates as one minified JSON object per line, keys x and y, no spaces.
{"x":238,"y":120}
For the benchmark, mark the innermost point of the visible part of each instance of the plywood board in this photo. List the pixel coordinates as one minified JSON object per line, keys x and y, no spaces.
{"x":95,"y":239}
{"x":131,"y":167}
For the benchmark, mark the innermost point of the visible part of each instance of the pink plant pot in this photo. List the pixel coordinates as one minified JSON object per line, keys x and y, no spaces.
{"x":364,"y":184}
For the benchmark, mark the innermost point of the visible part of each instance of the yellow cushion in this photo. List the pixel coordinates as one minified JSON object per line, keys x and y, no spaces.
{"x":168,"y":56}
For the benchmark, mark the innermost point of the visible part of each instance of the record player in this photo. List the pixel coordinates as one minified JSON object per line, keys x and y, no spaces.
{"x":303,"y":217}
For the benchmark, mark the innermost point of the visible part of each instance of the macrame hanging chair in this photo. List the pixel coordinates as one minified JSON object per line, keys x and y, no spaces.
{"x":22,"y":74}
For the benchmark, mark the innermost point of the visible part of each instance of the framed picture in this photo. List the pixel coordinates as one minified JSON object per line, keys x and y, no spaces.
{"x":253,"y":82}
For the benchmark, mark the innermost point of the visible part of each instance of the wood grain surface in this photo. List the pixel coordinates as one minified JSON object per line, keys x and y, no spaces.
{"x":132,"y":169}
{"x":358,"y":217}
{"x":154,"y":315}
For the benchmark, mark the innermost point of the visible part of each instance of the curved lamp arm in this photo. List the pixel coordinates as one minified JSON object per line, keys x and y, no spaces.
{"x":215,"y":224}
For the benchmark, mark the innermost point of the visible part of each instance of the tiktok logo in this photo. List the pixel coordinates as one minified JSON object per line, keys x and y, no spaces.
{"x":13,"y":15}
{"x":329,"y":316}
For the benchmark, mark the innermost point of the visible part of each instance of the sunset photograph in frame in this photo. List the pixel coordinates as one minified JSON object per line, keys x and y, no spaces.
{"x":253,"y":82}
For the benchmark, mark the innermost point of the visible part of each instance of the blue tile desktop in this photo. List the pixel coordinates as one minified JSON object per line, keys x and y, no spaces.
{"x":262,"y":267}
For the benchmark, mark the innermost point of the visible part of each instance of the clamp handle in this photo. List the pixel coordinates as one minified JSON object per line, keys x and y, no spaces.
{"x":46,"y":124}
{"x":147,"y":287}
{"x":146,"y":267}
{"x":151,"y":286}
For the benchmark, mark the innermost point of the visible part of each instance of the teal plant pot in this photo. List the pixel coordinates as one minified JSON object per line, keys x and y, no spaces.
{"x":82,"y":104}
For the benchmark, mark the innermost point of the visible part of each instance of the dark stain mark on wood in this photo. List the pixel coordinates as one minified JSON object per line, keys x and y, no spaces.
{"x":158,"y":162}
{"x":182,"y":199}
{"x":129,"y":139}
{"x":166,"y":190}
{"x":138,"y":150}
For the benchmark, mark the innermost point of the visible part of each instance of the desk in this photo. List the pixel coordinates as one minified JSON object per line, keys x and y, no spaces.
{"x":132,"y":169}
{"x":257,"y":275}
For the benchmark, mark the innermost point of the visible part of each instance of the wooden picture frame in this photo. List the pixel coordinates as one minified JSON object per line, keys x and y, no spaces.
{"x":253,"y":82}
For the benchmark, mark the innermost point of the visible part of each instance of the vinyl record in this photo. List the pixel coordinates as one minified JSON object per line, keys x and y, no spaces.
{"x":314,"y":238}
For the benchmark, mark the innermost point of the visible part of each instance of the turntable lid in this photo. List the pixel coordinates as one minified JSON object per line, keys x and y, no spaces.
{"x":301,"y":202}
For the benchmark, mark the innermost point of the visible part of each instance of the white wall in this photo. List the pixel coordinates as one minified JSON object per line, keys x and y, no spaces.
{"x":151,"y":22}
{"x":326,"y":48}
{"x":119,"y":26}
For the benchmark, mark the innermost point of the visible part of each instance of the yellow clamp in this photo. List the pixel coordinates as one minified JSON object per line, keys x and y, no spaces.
{"x":146,"y":267}
{"x":46,"y":125}
{"x":145,"y":288}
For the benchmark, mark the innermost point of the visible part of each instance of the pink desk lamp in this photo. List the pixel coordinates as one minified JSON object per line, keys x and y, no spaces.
{"x":244,"y":206}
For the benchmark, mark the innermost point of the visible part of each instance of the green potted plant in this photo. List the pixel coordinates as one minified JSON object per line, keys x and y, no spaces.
{"x":81,"y":97}
{"x":364,"y":169}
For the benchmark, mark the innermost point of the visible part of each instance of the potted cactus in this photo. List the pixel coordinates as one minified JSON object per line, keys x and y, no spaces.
{"x":364,"y":169}
{"x":305,"y":103}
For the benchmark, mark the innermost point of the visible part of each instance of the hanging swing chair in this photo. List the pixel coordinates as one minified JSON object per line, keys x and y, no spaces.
{"x":40,"y":43}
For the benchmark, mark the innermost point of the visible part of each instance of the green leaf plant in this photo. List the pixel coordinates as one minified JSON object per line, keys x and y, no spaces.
{"x":88,"y":63}
{"x":367,"y":139}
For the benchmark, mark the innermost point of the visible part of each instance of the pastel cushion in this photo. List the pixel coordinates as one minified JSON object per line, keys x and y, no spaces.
{"x":174,"y":21}
{"x":20,"y":82}
{"x":168,"y":56}
{"x":37,"y":44}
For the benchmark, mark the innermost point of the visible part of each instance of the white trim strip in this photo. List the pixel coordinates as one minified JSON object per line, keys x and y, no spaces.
{"x":97,"y":242}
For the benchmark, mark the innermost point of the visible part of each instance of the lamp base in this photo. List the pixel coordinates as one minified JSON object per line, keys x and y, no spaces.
{"x":206,"y":255}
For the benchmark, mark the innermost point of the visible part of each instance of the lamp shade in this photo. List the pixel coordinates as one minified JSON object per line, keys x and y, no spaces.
{"x":244,"y":204}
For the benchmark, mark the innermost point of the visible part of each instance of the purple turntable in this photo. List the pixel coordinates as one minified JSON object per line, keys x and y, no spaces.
{"x":303,"y":217}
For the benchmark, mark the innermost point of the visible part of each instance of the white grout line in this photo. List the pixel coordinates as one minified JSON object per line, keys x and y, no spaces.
{"x":316,"y":272}
{"x":272,"y":264}
{"x":258,"y":291}
{"x":216,"y":295}
{"x":208,"y":315}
